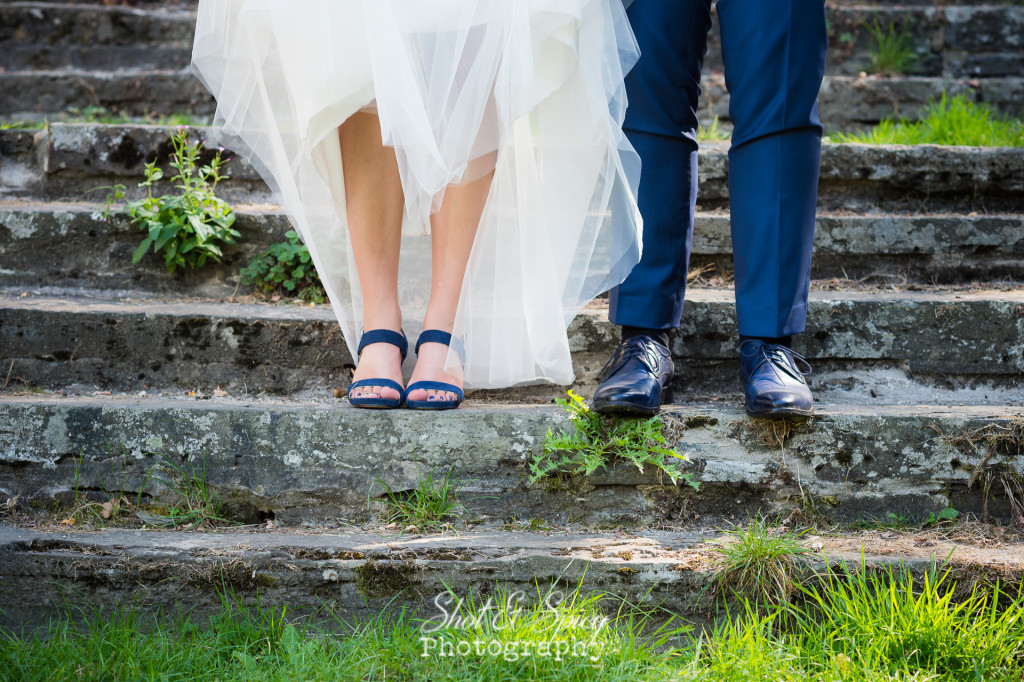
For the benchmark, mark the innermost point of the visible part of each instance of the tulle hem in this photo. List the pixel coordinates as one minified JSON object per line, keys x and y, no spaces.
{"x":532,"y":90}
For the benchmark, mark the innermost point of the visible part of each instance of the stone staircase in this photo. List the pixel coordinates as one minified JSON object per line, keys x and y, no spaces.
{"x":132,"y":58}
{"x":915,"y":333}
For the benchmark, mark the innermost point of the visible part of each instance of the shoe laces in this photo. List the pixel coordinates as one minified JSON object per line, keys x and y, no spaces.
{"x":771,"y":352}
{"x":639,"y":347}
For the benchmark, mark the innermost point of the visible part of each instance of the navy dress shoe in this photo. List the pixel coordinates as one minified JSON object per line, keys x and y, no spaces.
{"x":775,"y":384}
{"x":636,"y":379}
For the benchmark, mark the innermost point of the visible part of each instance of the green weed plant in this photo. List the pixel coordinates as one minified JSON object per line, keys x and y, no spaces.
{"x":188,"y":227}
{"x":285,"y":269}
{"x":595,"y":441}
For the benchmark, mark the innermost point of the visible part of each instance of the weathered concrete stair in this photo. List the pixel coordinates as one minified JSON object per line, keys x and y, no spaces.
{"x":319,"y":462}
{"x":152,"y":344}
{"x":134,"y":61}
{"x":358,"y":574}
{"x":952,"y":41}
{"x":51,"y":244}
{"x":844,"y":103}
{"x":70,"y":161}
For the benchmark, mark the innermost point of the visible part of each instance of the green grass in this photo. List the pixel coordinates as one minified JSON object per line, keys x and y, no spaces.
{"x":864,"y":625}
{"x":22,"y":125}
{"x":956,"y":121}
{"x":713,"y":132}
{"x":92,"y":114}
{"x":429,"y":507}
{"x":893,"y":51}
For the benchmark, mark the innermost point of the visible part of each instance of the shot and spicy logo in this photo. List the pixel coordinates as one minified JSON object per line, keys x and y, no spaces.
{"x":490,"y":630}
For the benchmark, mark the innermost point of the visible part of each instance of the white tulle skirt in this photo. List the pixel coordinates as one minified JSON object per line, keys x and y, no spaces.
{"x":529,"y":88}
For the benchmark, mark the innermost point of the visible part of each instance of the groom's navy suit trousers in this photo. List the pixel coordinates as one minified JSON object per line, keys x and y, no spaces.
{"x":774,"y":54}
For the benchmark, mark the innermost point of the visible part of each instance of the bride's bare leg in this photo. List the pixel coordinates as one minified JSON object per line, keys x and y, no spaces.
{"x":373,"y":192}
{"x":452,"y":230}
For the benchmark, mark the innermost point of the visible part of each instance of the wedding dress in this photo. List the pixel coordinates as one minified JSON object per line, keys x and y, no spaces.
{"x":531,"y":89}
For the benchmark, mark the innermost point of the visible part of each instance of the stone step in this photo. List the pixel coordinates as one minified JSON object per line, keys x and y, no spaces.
{"x":360,"y":574}
{"x":65,"y":245}
{"x":979,"y":41}
{"x":845,"y":102}
{"x":957,"y":339}
{"x":47,"y":36}
{"x":49,"y":94}
{"x":850,"y":103}
{"x":72,"y":162}
{"x":298,"y":461}
{"x":953,"y":41}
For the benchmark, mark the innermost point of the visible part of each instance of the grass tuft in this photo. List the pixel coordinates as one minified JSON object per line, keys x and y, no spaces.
{"x":196,"y":506}
{"x":712,"y":132}
{"x":893,"y":51}
{"x":429,"y":507}
{"x":757,"y":563}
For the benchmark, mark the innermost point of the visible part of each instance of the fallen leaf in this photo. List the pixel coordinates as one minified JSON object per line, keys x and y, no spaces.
{"x":888,"y":535}
{"x":107,"y":510}
{"x":339,"y":393}
{"x":70,"y":521}
{"x":391,"y":526}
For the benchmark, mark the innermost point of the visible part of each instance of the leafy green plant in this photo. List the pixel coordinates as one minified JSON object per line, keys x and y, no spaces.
{"x":594,"y":441}
{"x":956,"y":121}
{"x":947,"y":514}
{"x":428,"y":507}
{"x":893,"y":51}
{"x":891,"y":521}
{"x":190,"y":226}
{"x":757,"y":562}
{"x":285,"y":268}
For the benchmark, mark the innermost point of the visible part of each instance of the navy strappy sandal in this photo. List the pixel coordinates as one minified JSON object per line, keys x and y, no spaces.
{"x":380,"y":336}
{"x":434,"y":336}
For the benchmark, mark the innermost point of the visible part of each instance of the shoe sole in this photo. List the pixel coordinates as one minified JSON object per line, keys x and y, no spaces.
{"x":783,"y":413}
{"x":626,"y":409}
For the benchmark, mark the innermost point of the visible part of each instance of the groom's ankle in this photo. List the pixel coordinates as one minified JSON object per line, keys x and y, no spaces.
{"x":786,"y":341}
{"x":659,"y":335}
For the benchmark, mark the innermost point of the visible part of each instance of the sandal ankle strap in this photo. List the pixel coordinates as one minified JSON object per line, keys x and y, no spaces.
{"x":384,"y":336}
{"x":444,"y":338}
{"x":433,"y":336}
